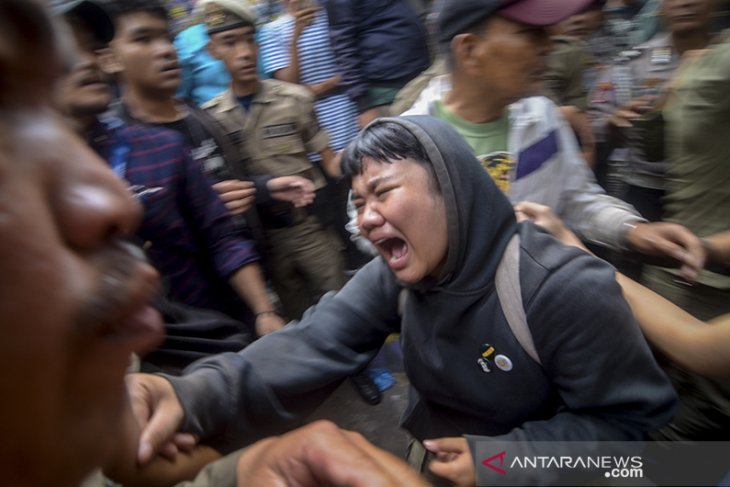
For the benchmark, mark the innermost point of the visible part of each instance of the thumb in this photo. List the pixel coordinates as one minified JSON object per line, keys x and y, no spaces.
{"x":159,"y":430}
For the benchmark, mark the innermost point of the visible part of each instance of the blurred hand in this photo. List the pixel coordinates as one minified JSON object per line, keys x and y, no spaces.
{"x":296,"y":190}
{"x":124,"y":468}
{"x":544,"y":217}
{"x":322,"y":454}
{"x":237,"y":195}
{"x":158,"y":414}
{"x":453,"y":460}
{"x":623,"y":115}
{"x":268,"y":322}
{"x":669,"y":241}
{"x":303,"y":16}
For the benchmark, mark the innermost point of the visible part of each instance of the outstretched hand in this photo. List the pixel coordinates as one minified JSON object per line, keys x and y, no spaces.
{"x":453,"y":460}
{"x":544,"y":217}
{"x":237,"y":195}
{"x":322,"y":454}
{"x":669,"y":242}
{"x":296,"y":190}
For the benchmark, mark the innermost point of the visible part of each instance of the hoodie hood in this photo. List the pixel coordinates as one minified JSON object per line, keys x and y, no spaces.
{"x":480,"y":218}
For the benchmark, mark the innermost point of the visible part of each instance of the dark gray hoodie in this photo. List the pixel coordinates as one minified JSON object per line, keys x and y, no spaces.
{"x":598,"y":379}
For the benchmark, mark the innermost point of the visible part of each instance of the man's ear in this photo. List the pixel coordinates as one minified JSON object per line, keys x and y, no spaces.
{"x":212,"y":50}
{"x":463,"y":48}
{"x":108,"y":61}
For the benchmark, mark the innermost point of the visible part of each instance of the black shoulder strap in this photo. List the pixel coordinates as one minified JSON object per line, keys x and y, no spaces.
{"x":230,"y":154}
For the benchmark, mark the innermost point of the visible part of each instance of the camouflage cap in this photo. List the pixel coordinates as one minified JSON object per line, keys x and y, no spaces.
{"x":222,"y":15}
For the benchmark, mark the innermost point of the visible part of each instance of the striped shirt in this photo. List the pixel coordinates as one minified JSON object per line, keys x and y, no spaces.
{"x":336,"y":113}
{"x":194,"y":243}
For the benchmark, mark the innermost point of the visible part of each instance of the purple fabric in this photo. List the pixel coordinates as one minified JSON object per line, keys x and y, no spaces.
{"x":532,"y":158}
{"x":194,"y":243}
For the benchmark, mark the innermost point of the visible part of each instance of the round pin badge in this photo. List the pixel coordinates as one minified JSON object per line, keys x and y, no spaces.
{"x":503,"y":363}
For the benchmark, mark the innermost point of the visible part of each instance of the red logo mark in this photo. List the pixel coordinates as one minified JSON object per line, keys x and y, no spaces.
{"x":488,"y":462}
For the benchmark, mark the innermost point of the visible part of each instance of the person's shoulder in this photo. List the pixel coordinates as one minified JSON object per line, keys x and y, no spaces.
{"x":285,"y":89}
{"x":215,"y":102}
{"x":547,"y":262}
{"x":535,"y":108}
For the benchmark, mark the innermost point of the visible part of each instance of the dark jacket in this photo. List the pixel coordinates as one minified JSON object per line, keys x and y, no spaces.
{"x":598,"y":379}
{"x":377,"y":42}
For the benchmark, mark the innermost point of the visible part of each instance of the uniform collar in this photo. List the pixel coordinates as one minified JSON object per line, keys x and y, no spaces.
{"x":264,"y":94}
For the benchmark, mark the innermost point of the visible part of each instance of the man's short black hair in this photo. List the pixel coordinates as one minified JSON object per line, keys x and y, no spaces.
{"x":120,"y":8}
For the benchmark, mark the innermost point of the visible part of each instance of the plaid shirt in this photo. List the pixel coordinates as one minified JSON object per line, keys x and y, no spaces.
{"x":194,"y":243}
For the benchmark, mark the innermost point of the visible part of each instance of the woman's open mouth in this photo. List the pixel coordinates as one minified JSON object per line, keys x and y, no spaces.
{"x":394,"y":251}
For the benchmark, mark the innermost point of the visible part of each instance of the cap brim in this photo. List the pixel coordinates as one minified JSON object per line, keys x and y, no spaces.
{"x":95,"y":17}
{"x":543,"y":13}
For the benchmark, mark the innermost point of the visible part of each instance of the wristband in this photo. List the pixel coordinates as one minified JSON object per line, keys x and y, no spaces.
{"x":263,"y":313}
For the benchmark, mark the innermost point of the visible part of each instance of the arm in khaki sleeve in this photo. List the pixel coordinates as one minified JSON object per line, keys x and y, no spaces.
{"x":314,"y":137}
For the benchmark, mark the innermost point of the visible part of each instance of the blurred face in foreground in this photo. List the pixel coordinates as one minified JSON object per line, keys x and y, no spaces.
{"x":74,"y":295}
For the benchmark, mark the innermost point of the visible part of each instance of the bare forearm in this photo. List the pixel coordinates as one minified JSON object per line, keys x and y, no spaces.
{"x":249,"y":284}
{"x":701,"y":347}
{"x":325,"y":87}
{"x":163,"y":472}
{"x":719,"y":247}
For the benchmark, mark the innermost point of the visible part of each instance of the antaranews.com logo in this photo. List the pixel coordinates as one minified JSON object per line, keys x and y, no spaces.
{"x":611,"y":466}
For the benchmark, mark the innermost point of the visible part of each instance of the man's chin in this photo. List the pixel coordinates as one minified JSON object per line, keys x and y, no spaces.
{"x":90,"y":108}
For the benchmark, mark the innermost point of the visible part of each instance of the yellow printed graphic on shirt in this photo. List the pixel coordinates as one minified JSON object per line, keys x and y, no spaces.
{"x":500,"y":166}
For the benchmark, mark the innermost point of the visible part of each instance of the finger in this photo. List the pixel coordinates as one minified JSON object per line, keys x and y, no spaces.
{"x":138,"y":400}
{"x":232,"y":185}
{"x":238,"y":207}
{"x":455,"y":445}
{"x":531,"y":209}
{"x":169,"y":450}
{"x":185,"y":441}
{"x":157,"y":433}
{"x":237,"y":194}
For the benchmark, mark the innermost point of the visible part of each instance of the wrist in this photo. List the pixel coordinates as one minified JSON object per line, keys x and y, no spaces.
{"x":267,"y":312}
{"x":710,"y":252}
{"x":628,"y":227}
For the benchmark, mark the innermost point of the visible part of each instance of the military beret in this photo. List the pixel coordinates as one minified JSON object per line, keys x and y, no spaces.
{"x":222,"y":15}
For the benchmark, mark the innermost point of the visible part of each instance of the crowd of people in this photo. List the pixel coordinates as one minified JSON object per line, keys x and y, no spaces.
{"x":214,"y":212}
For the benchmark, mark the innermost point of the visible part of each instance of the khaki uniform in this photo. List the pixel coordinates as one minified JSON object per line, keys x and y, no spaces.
{"x":273,"y":138}
{"x":563,"y":78}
